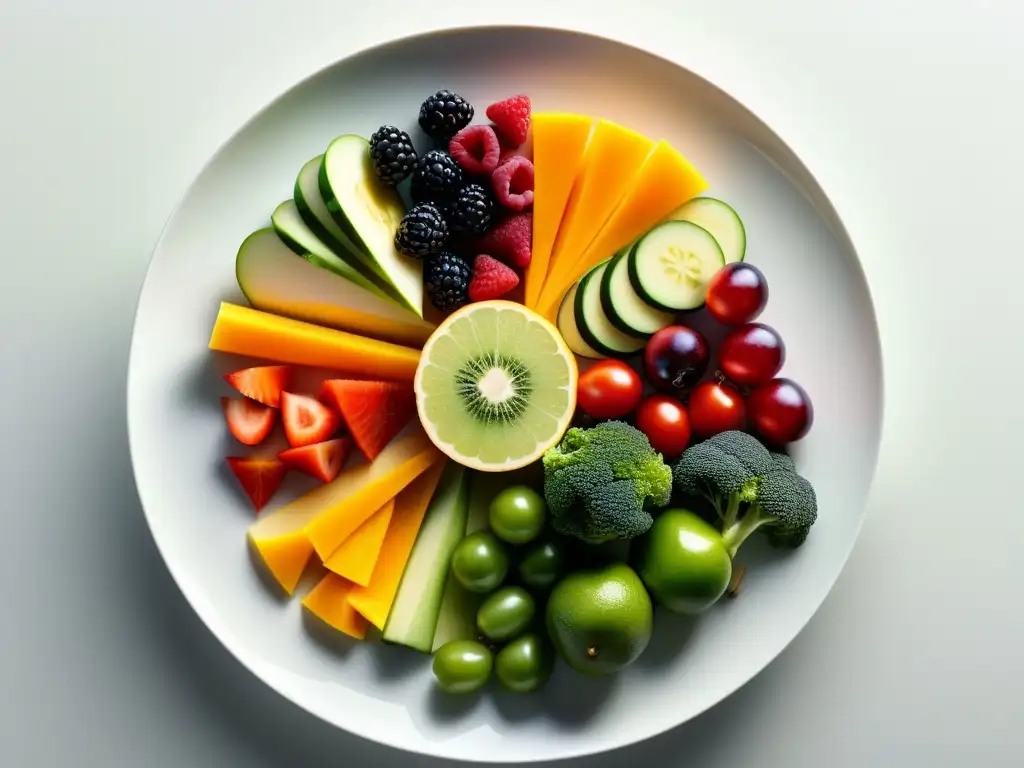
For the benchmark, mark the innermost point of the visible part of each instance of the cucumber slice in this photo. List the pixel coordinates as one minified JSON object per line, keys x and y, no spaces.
{"x":369,"y":213}
{"x":594,"y":326}
{"x":671,"y":265}
{"x":274,"y":279}
{"x":567,"y":327}
{"x":721,"y":220}
{"x":457,"y":620}
{"x":624,"y":308}
{"x":303,"y":241}
{"x":412,"y":621}
{"x":313,"y":211}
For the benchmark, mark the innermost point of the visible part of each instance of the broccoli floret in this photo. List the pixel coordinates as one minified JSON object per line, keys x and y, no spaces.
{"x":600,"y":483}
{"x":750,"y":488}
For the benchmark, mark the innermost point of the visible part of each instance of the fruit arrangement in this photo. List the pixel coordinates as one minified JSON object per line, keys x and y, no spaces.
{"x":524,"y":447}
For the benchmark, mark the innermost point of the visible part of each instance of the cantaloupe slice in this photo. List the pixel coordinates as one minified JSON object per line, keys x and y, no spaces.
{"x":329,"y":602}
{"x":374,"y":600}
{"x":285,"y":556}
{"x":666,"y":181}
{"x":246,"y":331}
{"x":339,"y":508}
{"x":281,"y":537}
{"x":614,"y":157}
{"x":559,"y":144}
{"x":356,"y":557}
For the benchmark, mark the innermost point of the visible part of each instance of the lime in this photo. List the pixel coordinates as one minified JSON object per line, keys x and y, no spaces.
{"x":600,"y":620}
{"x":684,"y":562}
{"x":495,"y":386}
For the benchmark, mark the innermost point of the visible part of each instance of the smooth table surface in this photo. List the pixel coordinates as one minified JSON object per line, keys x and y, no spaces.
{"x":909,"y":114}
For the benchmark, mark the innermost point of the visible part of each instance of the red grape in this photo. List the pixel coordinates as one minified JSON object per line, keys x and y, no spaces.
{"x":675,"y":358}
{"x":752,"y":354}
{"x":716,"y":407}
{"x":737,"y":293}
{"x":780,"y":411}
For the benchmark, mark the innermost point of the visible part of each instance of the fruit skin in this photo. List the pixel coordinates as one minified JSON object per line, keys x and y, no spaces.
{"x":525,"y":664}
{"x":684,"y":562}
{"x":506,"y":613}
{"x":264,"y":383}
{"x":480,"y":562}
{"x":752,"y":354}
{"x":445,"y":113}
{"x":259,"y":477}
{"x":436,"y":179}
{"x":422,"y":232}
{"x":517,"y":514}
{"x":542,"y":565}
{"x":446,"y":279}
{"x":737,"y":293}
{"x":675,"y":358}
{"x":373,"y":411}
{"x":491,"y":279}
{"x":609,"y":389}
{"x":600,"y":620}
{"x":473,"y":210}
{"x":512,"y":182}
{"x":512,"y":118}
{"x":462,"y":666}
{"x":249,"y":421}
{"x":307,"y":420}
{"x":321,"y":460}
{"x":716,"y":407}
{"x":666,"y":423}
{"x":393,"y":154}
{"x":477,"y":149}
{"x":780,"y":411}
{"x":510,"y":240}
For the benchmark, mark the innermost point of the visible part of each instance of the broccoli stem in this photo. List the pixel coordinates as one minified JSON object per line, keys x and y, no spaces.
{"x":732,"y":511}
{"x":734,"y":534}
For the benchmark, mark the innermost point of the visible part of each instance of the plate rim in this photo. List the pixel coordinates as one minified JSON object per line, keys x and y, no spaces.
{"x":840,"y":231}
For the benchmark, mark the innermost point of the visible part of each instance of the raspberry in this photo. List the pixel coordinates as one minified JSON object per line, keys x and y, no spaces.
{"x":491,"y":279}
{"x":510,"y":240}
{"x":512,"y":182}
{"x":476,"y":149}
{"x":512,"y":118}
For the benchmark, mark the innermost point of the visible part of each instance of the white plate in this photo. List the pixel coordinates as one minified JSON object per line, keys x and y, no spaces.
{"x":819,"y":302}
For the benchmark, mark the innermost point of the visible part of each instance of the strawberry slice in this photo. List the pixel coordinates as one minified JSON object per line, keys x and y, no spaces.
{"x":250,"y":422}
{"x":263,"y":384}
{"x":307,"y":420}
{"x":321,"y":460}
{"x":374,"y":411}
{"x":259,"y":477}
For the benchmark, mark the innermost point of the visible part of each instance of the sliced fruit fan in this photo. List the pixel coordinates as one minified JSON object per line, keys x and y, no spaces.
{"x":467,"y":471}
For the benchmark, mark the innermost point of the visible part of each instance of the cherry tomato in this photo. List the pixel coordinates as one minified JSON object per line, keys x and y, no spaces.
{"x":752,"y":354}
{"x":737,"y":293}
{"x":609,"y":389}
{"x":666,"y":423}
{"x":780,"y":411}
{"x":716,"y":407}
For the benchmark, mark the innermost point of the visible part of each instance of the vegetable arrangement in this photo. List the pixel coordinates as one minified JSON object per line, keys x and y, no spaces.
{"x":515,"y":392}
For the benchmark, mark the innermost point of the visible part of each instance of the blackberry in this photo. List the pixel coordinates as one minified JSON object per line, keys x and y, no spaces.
{"x":444,"y":114}
{"x":423,"y":232}
{"x":393,"y":154}
{"x":473,"y":210}
{"x":437,"y":179}
{"x":446,"y":279}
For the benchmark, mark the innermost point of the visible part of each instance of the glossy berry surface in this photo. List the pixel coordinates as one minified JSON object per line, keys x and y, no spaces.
{"x":780,"y":411}
{"x":752,"y":354}
{"x":737,"y":294}
{"x":716,"y":407}
{"x":675,"y":358}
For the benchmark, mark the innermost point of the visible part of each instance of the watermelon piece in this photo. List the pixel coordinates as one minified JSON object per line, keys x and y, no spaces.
{"x":373,"y":411}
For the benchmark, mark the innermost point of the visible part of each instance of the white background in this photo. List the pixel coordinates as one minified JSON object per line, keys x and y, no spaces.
{"x":910,"y":114}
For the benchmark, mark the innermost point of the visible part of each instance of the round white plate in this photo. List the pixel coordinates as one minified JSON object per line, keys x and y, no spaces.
{"x":819,"y":302}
